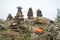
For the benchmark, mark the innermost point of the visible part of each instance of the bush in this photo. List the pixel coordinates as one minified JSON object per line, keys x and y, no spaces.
{"x":2,"y":21}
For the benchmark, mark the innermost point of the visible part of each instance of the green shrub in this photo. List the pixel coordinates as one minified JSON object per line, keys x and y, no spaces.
{"x":2,"y":21}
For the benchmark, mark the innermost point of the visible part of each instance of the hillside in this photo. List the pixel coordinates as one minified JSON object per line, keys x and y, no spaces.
{"x":32,"y":28}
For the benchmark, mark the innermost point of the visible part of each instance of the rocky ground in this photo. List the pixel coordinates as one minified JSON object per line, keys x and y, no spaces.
{"x":19,"y":28}
{"x":27,"y":29}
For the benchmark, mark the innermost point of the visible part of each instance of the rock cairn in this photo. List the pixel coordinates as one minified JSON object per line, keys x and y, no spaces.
{"x":9,"y":17}
{"x":30,"y":13}
{"x":39,"y":13}
{"x":18,"y":22}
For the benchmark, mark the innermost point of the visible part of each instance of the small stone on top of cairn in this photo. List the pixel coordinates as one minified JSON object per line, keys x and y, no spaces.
{"x":19,"y":9}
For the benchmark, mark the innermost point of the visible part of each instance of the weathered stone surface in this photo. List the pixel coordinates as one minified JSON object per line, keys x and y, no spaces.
{"x":42,"y":20}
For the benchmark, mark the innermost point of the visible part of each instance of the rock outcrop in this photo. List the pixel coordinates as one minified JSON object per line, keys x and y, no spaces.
{"x":20,"y":26}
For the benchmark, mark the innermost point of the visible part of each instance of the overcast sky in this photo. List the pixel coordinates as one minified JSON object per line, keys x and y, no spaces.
{"x":48,"y":7}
